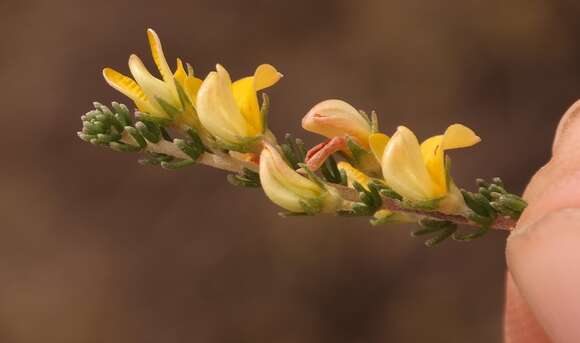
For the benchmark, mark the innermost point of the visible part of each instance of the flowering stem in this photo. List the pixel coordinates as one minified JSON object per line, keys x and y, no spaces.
{"x":228,"y":163}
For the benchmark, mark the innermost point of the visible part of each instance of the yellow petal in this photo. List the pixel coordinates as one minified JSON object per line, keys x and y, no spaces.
{"x":433,"y":151}
{"x":180,"y":74}
{"x":377,"y":143}
{"x":404,"y":169}
{"x":266,"y":76}
{"x":128,"y":87}
{"x":245,"y":94}
{"x":354,"y":174}
{"x":124,"y":84}
{"x":459,"y":136}
{"x":189,"y":83}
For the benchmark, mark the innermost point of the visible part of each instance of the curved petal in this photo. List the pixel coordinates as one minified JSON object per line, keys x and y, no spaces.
{"x":433,"y":151}
{"x":333,"y":118}
{"x":282,"y":185}
{"x":266,"y":76}
{"x":290,"y":178}
{"x":403,"y":167}
{"x":217,"y":109}
{"x":161,"y":61}
{"x":459,"y":136}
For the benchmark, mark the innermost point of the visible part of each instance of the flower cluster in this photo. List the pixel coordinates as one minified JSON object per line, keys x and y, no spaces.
{"x":226,"y":112}
{"x":417,"y":172}
{"x":222,"y":124}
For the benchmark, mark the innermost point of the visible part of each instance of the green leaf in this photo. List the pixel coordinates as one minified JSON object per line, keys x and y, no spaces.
{"x":426,"y":231}
{"x":442,"y":236}
{"x":122,"y":147}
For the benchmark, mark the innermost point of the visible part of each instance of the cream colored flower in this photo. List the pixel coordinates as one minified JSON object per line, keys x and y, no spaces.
{"x":290,"y":190}
{"x":230,"y":111}
{"x":335,"y":118}
{"x":417,"y":172}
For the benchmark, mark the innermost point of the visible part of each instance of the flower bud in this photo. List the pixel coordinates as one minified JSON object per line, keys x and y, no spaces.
{"x":230,"y":111}
{"x":290,"y":190}
{"x":334,"y":118}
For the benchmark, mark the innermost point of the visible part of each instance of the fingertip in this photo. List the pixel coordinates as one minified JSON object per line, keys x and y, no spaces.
{"x":542,"y":258}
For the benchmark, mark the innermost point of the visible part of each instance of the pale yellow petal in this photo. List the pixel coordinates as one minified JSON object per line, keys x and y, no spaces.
{"x":266,"y":76}
{"x":378,"y":143}
{"x":404,"y":169}
{"x":334,"y":118}
{"x":153,"y":88}
{"x":282,"y":185}
{"x":217,"y":109}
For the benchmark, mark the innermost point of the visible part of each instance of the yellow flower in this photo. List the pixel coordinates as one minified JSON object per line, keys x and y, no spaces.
{"x":230,"y":111}
{"x":290,"y":190}
{"x":335,"y":118}
{"x":169,"y":98}
{"x":417,"y":172}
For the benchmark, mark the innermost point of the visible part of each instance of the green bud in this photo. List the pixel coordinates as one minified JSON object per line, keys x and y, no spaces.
{"x":122,"y":147}
{"x":147,"y":131}
{"x":136,"y":136}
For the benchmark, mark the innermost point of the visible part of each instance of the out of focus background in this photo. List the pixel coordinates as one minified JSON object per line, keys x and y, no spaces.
{"x":96,"y":248}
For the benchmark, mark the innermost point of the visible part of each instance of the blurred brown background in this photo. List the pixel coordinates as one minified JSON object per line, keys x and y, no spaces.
{"x":96,"y":248}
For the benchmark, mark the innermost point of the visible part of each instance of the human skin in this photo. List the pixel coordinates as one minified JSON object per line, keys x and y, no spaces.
{"x":543,"y":252}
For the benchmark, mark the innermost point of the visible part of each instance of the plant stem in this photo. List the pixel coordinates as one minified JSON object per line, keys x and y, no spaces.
{"x":219,"y":161}
{"x":501,"y":223}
